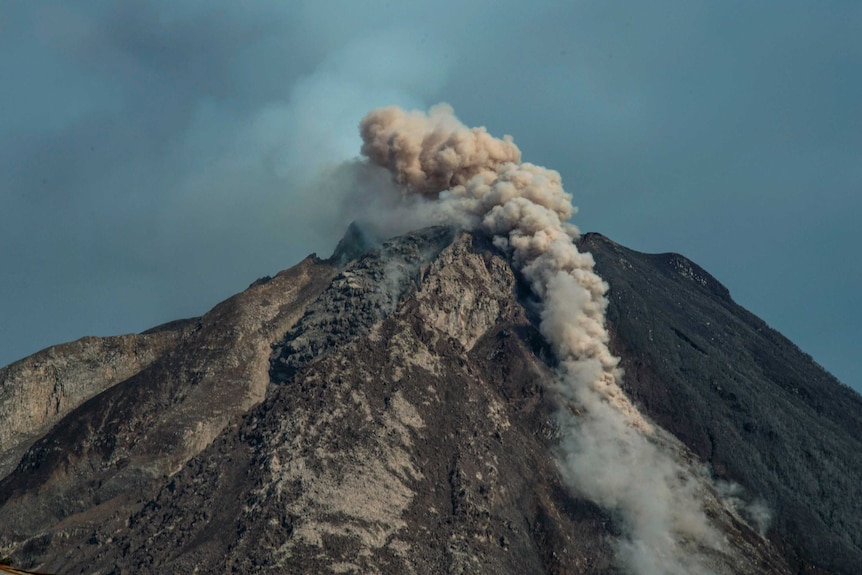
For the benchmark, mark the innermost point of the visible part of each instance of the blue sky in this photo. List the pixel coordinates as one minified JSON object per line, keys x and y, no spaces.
{"x":158,"y":156}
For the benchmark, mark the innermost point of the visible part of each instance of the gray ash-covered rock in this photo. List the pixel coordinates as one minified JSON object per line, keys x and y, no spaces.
{"x":363,"y":293}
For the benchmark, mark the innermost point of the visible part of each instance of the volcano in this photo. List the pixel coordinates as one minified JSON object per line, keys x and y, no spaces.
{"x":390,"y":410}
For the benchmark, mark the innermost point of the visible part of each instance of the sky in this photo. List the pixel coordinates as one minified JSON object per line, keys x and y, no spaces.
{"x":158,"y":156}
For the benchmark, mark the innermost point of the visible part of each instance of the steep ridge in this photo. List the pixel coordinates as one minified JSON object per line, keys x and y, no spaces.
{"x":391,"y":416}
{"x":744,"y":398}
{"x":38,"y":391}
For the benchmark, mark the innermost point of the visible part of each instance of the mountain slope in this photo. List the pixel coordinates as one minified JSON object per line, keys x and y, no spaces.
{"x":38,"y":391}
{"x":98,"y":461}
{"x":401,"y":424}
{"x":744,"y":398}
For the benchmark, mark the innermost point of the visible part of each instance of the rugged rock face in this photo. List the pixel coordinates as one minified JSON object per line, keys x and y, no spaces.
{"x":743,"y":398}
{"x":384,"y":413}
{"x":95,"y":464}
{"x":38,"y":391}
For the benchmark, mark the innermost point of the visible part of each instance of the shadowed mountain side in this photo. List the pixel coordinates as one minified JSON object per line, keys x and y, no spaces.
{"x":744,"y":398}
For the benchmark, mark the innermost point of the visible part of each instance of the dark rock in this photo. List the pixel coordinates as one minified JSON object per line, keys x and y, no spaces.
{"x":357,"y":241}
{"x":744,"y":398}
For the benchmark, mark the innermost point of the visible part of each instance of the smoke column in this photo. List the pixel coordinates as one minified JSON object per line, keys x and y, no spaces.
{"x":467,"y":177}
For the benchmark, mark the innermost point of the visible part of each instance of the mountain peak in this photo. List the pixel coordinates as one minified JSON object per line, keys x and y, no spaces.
{"x":356,"y":241}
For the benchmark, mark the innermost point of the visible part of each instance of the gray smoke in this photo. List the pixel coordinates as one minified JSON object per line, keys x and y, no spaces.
{"x":451,"y":173}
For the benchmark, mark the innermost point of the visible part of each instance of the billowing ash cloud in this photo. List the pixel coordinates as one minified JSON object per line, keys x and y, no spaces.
{"x":463,"y":175}
{"x":431,"y":153}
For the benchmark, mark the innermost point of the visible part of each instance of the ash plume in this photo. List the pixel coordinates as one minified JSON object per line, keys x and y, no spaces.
{"x":465,"y":176}
{"x":451,"y":154}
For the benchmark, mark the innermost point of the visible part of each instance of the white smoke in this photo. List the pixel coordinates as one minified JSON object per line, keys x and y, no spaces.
{"x":451,"y":173}
{"x":754,"y":511}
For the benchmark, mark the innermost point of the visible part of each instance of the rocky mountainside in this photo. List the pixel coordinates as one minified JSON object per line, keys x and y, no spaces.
{"x":385,"y":411}
{"x":743,"y":398}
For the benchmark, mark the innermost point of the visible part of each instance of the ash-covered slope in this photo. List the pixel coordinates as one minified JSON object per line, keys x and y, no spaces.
{"x":390,"y":416}
{"x":742,"y":397}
